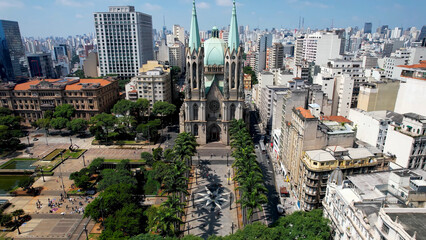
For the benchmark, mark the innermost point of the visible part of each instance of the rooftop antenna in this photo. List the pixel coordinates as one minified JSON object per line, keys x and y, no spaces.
{"x":299,"y":22}
{"x":332,"y":23}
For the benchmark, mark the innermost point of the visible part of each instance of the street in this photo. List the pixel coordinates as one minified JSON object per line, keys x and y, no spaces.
{"x":270,"y":212}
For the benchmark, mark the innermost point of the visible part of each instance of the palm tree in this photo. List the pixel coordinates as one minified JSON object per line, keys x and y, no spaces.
{"x":251,"y":201}
{"x":165,"y":222}
{"x":185,"y":146}
{"x":16,"y":214}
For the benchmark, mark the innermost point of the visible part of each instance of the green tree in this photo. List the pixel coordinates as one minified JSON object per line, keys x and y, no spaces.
{"x":77,"y":125}
{"x":122,"y":84}
{"x":115,"y":176}
{"x":59,"y":123}
{"x":48,"y":114}
{"x":127,"y":221}
{"x":185,"y":146}
{"x":249,"y":70}
{"x":96,"y":165}
{"x":112,"y":199}
{"x":124,"y":107}
{"x":65,"y":111}
{"x":43,"y":123}
{"x":157,"y":154}
{"x":5,"y":111}
{"x":8,"y":138}
{"x":102,"y":126}
{"x":81,"y":178}
{"x":163,"y":109}
{"x":26,"y":183}
{"x":149,"y":130}
{"x":142,"y":107}
{"x":163,"y":220}
{"x":148,"y":158}
{"x":79,"y":73}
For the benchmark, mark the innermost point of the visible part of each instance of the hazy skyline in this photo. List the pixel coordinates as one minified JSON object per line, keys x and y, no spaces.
{"x":75,"y":17}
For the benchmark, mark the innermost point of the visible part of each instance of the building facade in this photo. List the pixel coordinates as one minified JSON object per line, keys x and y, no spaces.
{"x":32,"y":99}
{"x":124,"y":39}
{"x":13,"y":63}
{"x":214,"y":93}
{"x":152,"y":83}
{"x":41,"y":65}
{"x":378,"y":95}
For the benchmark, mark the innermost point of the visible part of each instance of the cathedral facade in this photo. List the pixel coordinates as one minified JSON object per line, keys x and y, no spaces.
{"x":214,"y":88}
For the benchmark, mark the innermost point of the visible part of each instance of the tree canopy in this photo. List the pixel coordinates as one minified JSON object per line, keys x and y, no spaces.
{"x":65,"y":110}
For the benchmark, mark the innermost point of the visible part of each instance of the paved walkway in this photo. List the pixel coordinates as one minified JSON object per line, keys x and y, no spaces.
{"x":289,"y":203}
{"x":205,"y":218}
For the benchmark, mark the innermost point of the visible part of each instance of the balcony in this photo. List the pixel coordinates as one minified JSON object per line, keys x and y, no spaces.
{"x":310,"y":192}
{"x":312,"y":184}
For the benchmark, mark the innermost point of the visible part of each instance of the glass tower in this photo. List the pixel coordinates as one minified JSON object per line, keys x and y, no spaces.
{"x":13,"y":63}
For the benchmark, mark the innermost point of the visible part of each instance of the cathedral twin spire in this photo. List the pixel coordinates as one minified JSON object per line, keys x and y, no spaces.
{"x":194,"y":34}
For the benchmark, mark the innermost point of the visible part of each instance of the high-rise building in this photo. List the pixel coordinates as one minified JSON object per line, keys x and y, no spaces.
{"x":321,"y":46}
{"x":263,"y":43}
{"x":275,"y":56}
{"x":13,"y":63}
{"x":214,"y":93}
{"x":125,"y":40}
{"x":179,"y":33}
{"x":41,"y":65}
{"x":153,"y":83}
{"x":422,"y":34}
{"x":367,"y":27}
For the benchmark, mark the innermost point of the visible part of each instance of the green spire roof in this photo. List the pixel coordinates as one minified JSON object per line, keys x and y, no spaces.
{"x":194,"y":34}
{"x":233,"y":38}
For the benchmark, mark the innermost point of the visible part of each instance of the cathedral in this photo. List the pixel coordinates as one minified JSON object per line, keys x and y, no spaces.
{"x":214,"y":92}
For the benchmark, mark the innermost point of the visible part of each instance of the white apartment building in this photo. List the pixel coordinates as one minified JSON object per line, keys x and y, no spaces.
{"x":381,"y":205}
{"x":372,"y":127}
{"x":390,"y":63}
{"x":349,"y":66}
{"x":411,"y":93}
{"x":124,"y":39}
{"x":177,"y":55}
{"x":344,"y":88}
{"x":408,"y":142}
{"x":152,"y":83}
{"x":266,"y":104}
{"x":321,"y":46}
{"x":179,"y":33}
{"x":417,"y":54}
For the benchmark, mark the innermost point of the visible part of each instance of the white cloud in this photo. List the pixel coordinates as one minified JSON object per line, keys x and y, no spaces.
{"x":78,"y":15}
{"x":203,"y":5}
{"x":72,"y":3}
{"x":151,"y":7}
{"x":10,"y":4}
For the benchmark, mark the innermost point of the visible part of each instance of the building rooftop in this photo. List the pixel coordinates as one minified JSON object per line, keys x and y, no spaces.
{"x":339,"y":119}
{"x":305,"y":112}
{"x":320,"y":155}
{"x":68,"y":83}
{"x":415,"y":116}
{"x":421,"y":65}
{"x":412,"y":222}
{"x":358,"y":153}
{"x":366,"y":184}
{"x":150,"y":65}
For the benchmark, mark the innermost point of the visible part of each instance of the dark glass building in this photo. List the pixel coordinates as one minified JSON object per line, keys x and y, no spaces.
{"x":13,"y":63}
{"x":41,"y":65}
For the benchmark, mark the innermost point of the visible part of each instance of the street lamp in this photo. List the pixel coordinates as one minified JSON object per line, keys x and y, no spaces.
{"x":62,"y":179}
{"x":232,"y":228}
{"x":230,"y":201}
{"x":229,"y":176}
{"x":84,"y":163}
{"x":28,"y":138}
{"x":227,"y":159}
{"x":85,"y":230}
{"x":71,"y":140}
{"x":42,"y":174}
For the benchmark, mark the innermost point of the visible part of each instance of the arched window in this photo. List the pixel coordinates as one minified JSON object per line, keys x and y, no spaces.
{"x":232,"y":112}
{"x":196,"y":130}
{"x":238,"y":74}
{"x":233,"y":75}
{"x":195,"y":112}
{"x":194,"y":75}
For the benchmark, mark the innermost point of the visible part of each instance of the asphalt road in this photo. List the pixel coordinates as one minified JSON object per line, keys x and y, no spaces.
{"x":270,"y":212}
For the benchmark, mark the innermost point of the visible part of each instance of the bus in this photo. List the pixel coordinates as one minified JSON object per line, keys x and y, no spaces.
{"x":262,"y":147}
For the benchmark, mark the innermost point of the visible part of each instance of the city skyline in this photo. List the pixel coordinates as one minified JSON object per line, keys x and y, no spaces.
{"x":42,"y":19}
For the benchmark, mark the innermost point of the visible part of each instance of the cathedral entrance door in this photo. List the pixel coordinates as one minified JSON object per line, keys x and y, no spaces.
{"x":214,"y":133}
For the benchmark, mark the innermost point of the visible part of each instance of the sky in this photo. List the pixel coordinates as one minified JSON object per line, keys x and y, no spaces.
{"x":42,"y":18}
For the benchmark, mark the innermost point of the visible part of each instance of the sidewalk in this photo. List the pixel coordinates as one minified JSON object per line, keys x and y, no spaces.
{"x":289,"y":203}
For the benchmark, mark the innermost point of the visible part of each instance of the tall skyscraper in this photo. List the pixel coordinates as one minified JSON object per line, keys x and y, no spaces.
{"x":263,"y":43}
{"x":367,"y":27}
{"x":214,"y":93}
{"x":179,"y":33}
{"x":124,"y":39}
{"x":422,"y":34}
{"x":13,"y":63}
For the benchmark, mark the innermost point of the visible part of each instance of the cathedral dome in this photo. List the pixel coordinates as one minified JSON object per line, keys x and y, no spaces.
{"x":214,"y":49}
{"x":336,"y":176}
